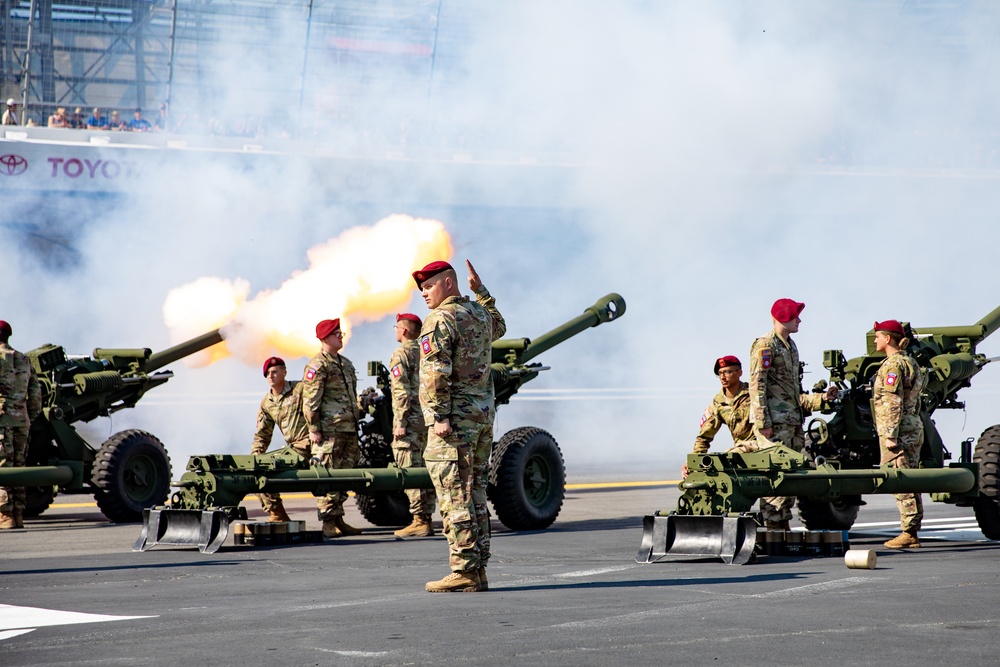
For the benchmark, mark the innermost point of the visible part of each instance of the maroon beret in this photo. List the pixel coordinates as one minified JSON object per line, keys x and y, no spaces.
{"x":327,"y":327}
{"x":273,"y":361}
{"x":4,"y":327}
{"x":409,"y":317}
{"x":786,"y":310}
{"x":890,"y":325}
{"x":430,"y":270}
{"x":726,"y":361}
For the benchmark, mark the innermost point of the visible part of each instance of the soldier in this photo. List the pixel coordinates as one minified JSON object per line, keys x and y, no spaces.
{"x":896,"y":395}
{"x":330,"y":406}
{"x":281,"y":407}
{"x":20,"y":403}
{"x":409,"y":433}
{"x":456,"y":396}
{"x":778,"y":405}
{"x":731,"y":406}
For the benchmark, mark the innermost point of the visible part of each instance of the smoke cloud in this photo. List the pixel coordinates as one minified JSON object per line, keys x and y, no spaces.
{"x":701,"y":159}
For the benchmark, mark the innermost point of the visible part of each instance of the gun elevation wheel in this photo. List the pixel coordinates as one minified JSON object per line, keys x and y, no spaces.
{"x":823,"y":515}
{"x":987,"y":504}
{"x":527,"y":479}
{"x":131,"y":473}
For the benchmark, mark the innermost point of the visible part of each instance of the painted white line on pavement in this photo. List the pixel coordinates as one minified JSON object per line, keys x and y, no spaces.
{"x":588,"y":573}
{"x":25,"y":619}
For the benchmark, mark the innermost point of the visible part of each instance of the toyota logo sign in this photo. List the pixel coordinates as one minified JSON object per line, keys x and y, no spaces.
{"x":12,"y":165}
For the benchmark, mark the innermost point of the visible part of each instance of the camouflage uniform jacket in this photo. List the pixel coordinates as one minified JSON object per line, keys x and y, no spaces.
{"x":456,"y":352}
{"x":733,"y":412}
{"x":285,"y":411}
{"x":404,"y":381}
{"x":20,"y":393}
{"x":776,"y":395}
{"x":330,"y":394}
{"x":896,"y":396}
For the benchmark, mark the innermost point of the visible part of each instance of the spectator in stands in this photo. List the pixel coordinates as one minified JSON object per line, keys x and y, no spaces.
{"x":97,"y":121}
{"x":139,"y":124}
{"x":160,"y":124}
{"x":10,"y":114}
{"x":76,"y":119}
{"x":58,"y":119}
{"x":116,"y":123}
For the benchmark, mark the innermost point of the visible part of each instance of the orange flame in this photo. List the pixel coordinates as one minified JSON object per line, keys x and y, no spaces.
{"x":361,"y":275}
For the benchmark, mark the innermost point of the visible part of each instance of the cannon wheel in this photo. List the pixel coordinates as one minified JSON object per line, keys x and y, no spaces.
{"x":527,"y":479}
{"x":824,"y":515}
{"x":987,"y":504}
{"x":382,"y":509}
{"x":131,"y":473}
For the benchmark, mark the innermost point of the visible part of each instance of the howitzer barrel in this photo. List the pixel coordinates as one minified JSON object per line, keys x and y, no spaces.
{"x":976,"y":332}
{"x":36,"y":476}
{"x":160,"y":359}
{"x":606,"y":309}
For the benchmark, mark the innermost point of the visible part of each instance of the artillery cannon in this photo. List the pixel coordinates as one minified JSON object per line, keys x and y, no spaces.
{"x":838,"y":464}
{"x":526,"y":478}
{"x":131,"y":470}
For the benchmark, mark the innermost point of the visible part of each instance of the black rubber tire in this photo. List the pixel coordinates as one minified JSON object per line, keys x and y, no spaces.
{"x":131,"y":473}
{"x":824,"y":515}
{"x":382,"y":509}
{"x":987,"y":504}
{"x":37,"y":500}
{"x":527,"y":479}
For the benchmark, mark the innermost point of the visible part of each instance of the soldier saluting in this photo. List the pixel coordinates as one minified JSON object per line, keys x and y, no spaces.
{"x":330,"y":406}
{"x":456,"y":396}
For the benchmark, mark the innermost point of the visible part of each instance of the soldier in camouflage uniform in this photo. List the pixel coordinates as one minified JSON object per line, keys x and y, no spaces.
{"x":778,"y":406}
{"x":731,"y":406}
{"x":281,"y":407}
{"x":20,"y":403}
{"x":896,"y":398}
{"x":330,"y":406}
{"x":409,"y":432}
{"x":456,"y":396}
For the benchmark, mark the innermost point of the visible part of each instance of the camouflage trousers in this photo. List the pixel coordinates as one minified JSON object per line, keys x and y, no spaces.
{"x":338,"y":451}
{"x":13,"y":451}
{"x":911,"y":507}
{"x":458,"y":466}
{"x":776,"y":508}
{"x":409,"y":454}
{"x":272,"y":501}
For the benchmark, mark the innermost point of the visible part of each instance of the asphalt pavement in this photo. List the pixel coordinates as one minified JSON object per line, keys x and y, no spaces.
{"x":73,"y":593}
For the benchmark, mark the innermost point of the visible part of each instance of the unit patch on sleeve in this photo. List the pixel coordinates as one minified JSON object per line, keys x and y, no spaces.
{"x":425,"y":344}
{"x":890,"y":379}
{"x":310,"y":372}
{"x":765,"y":357}
{"x":396,"y":371}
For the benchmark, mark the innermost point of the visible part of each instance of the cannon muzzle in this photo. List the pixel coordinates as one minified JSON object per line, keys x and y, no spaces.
{"x":158,"y":360}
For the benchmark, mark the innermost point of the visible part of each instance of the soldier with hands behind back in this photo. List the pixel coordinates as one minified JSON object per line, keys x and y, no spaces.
{"x":330,"y":406}
{"x":456,"y":396}
{"x":20,"y":403}
{"x":896,"y":395}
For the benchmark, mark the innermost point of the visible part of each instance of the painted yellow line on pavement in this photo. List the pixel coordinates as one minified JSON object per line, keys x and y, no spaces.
{"x":569,"y":487}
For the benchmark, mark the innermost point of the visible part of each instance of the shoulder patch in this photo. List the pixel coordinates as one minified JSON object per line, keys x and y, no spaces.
{"x":310,"y":372}
{"x":705,"y":416}
{"x":765,"y":357}
{"x":891,"y":379}
{"x":425,"y":344}
{"x":396,"y":371}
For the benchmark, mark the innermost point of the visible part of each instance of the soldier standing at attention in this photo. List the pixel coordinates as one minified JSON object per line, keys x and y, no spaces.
{"x":456,"y":396}
{"x":281,"y":407}
{"x":896,"y":394}
{"x":20,"y":403}
{"x":330,"y":406}
{"x":409,"y":433}
{"x":778,"y":405}
{"x":731,"y":406}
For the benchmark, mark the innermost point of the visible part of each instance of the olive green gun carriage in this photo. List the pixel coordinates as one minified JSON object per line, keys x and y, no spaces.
{"x":840,"y":461}
{"x":526,"y":477}
{"x":130,"y":471}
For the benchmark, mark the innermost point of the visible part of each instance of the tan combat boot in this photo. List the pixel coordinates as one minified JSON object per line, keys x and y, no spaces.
{"x":456,"y":582}
{"x":278,"y":514}
{"x":344,"y":528}
{"x":905,"y":540}
{"x":484,"y":584}
{"x":330,"y":529}
{"x":7,"y":522}
{"x":421,"y":526}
